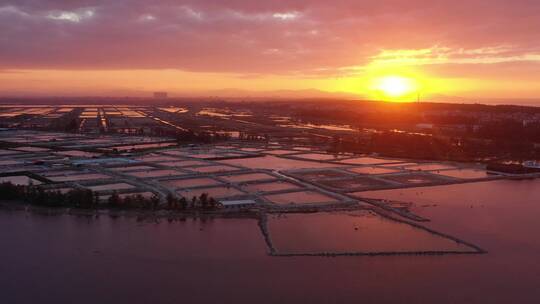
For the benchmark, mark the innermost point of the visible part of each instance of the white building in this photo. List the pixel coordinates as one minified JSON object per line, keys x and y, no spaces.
{"x":531,"y":164}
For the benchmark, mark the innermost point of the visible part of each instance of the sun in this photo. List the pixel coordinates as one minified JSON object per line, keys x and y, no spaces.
{"x":395,"y":86}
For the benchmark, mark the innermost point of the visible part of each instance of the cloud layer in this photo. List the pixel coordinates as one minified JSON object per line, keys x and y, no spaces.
{"x":260,"y":36}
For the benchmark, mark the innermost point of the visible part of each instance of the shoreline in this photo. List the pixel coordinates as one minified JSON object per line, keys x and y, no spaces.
{"x":140,"y":214}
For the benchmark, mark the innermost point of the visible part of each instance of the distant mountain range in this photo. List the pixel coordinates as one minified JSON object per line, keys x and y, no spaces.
{"x":240,"y":94}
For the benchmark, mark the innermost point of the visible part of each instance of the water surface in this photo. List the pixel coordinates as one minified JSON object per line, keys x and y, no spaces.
{"x":68,"y":259}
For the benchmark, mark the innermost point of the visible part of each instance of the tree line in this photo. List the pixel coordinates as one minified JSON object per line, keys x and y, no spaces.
{"x":88,"y":199}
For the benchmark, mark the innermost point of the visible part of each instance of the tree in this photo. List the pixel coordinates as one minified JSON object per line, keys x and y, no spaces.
{"x":154,"y":201}
{"x":172,"y":202}
{"x":203,"y":200}
{"x":183,"y":203}
{"x":212,"y":203}
{"x":96,"y":199}
{"x":114,"y":200}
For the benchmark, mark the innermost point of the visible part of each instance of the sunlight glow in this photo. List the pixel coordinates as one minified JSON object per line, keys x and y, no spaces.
{"x":395,"y":86}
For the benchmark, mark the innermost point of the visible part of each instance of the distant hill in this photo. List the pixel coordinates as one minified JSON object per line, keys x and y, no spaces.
{"x":277,"y":94}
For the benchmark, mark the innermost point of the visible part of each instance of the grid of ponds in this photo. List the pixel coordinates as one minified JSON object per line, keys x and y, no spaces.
{"x":269,"y":173}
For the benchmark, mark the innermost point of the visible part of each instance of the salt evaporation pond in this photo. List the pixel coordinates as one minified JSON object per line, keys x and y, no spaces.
{"x":276,"y":163}
{"x":190,"y":182}
{"x":131,"y":168}
{"x":19,"y":180}
{"x":372,"y":170}
{"x":271,"y":186}
{"x":155,"y":173}
{"x":369,"y":161}
{"x":319,"y":156}
{"x":300,"y":198}
{"x":109,"y":187}
{"x":239,"y":178}
{"x":465,"y":173}
{"x":213,"y":169}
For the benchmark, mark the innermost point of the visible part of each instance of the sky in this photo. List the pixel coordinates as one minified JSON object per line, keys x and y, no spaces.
{"x":394,"y":50}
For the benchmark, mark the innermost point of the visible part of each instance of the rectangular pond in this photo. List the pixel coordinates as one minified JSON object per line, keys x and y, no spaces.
{"x":239,"y":178}
{"x":319,"y":156}
{"x":416,"y":178}
{"x":215,"y":192}
{"x":430,"y":167}
{"x":21,"y":180}
{"x":190,"y":182}
{"x":300,"y":198}
{"x":212,"y":169}
{"x":368,"y":161}
{"x":78,"y":177}
{"x":156,"y":158}
{"x":271,"y":186}
{"x":353,"y":232}
{"x":184,"y":163}
{"x":155,"y":173}
{"x":276,"y":163}
{"x":373,"y":170}
{"x":131,"y":168}
{"x":350,"y":184}
{"x":466,"y":173}
{"x":109,"y":187}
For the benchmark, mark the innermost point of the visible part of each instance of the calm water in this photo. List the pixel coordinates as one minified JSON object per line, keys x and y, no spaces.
{"x":63,"y":259}
{"x":358,"y":231}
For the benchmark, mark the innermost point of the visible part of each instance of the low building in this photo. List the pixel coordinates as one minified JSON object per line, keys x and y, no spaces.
{"x":531,"y":164}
